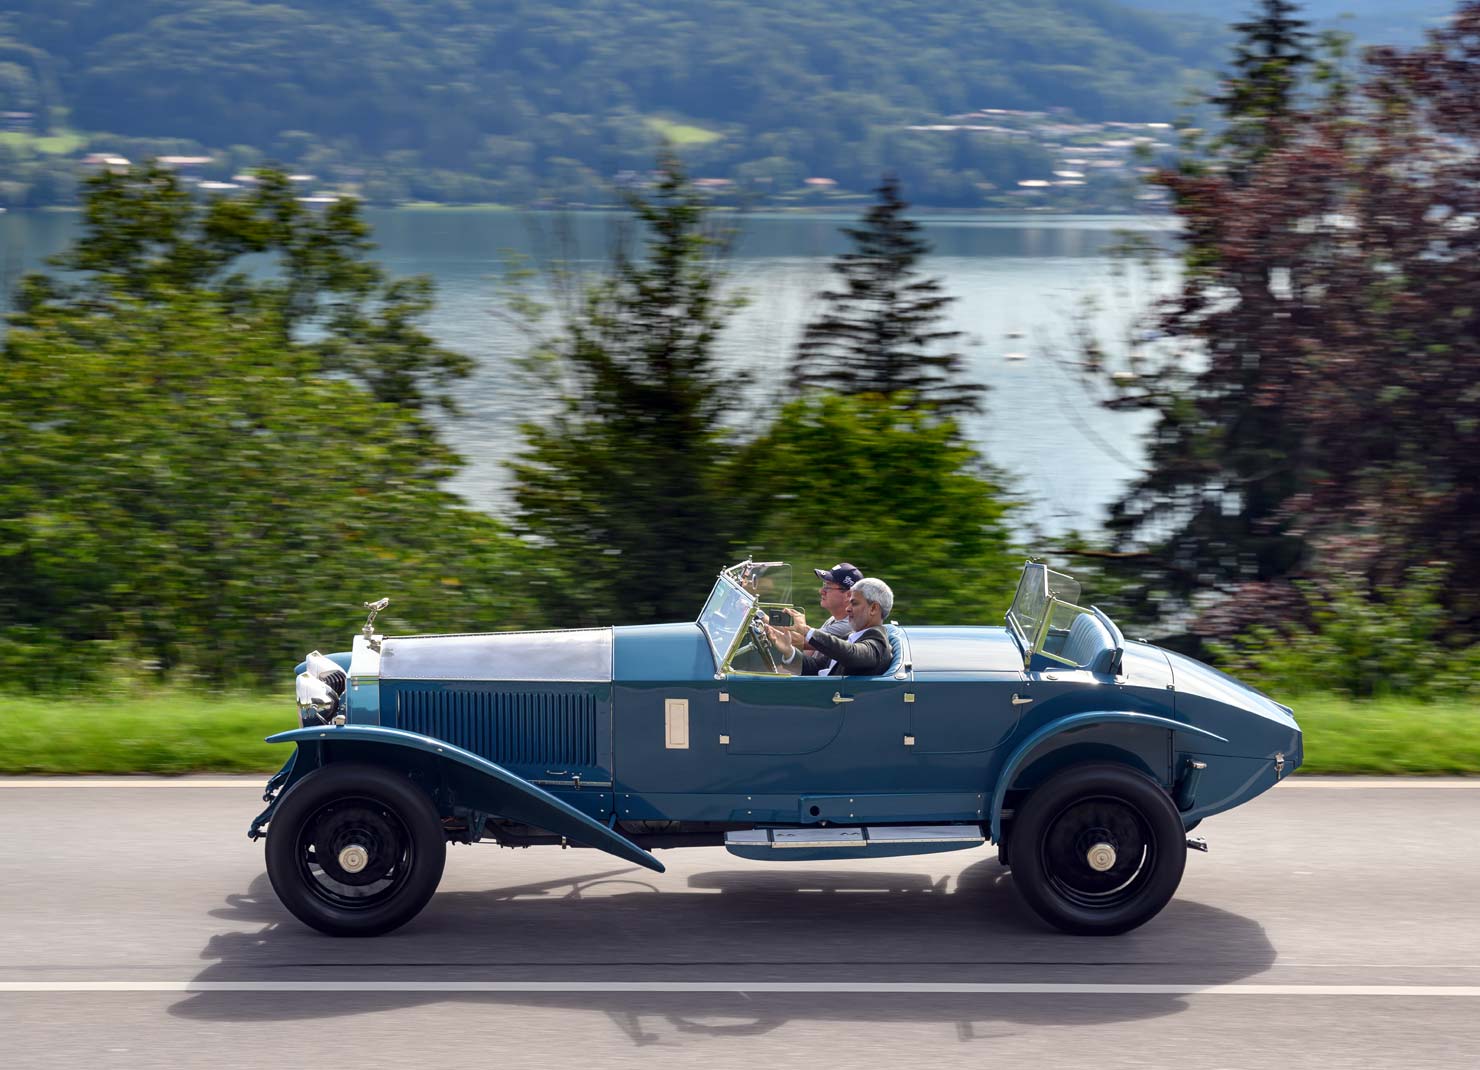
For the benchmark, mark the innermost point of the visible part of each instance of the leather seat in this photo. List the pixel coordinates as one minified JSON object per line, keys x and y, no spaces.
{"x":1087,"y":640}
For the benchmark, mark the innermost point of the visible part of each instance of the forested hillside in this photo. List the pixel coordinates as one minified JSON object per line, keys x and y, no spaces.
{"x":517,"y":100}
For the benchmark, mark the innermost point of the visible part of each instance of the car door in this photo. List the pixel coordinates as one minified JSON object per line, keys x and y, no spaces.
{"x":965,"y":712}
{"x":781,"y":715}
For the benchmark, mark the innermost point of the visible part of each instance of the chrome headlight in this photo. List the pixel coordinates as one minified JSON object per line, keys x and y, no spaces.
{"x":317,"y":701}
{"x":319,"y":688}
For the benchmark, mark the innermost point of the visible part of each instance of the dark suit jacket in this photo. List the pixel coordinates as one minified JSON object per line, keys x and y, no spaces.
{"x":869,"y":656}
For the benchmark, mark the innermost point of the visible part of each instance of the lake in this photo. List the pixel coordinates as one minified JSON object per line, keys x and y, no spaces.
{"x":1021,"y":283}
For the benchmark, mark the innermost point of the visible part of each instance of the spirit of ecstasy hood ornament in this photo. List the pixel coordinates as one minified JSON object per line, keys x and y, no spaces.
{"x":374,"y":608}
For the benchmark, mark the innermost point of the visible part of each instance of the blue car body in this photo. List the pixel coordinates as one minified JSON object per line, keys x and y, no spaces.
{"x":630,"y":739}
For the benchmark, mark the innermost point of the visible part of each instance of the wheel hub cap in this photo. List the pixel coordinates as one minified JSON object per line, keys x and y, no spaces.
{"x":1101,"y":857}
{"x":354,"y":858}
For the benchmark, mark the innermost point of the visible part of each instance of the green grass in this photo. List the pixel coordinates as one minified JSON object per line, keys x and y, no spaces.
{"x":179,"y":732}
{"x":173,"y":732}
{"x":682,"y":134}
{"x":1389,"y":736}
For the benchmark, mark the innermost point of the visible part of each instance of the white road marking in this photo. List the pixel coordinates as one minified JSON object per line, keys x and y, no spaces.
{"x":322,"y":986}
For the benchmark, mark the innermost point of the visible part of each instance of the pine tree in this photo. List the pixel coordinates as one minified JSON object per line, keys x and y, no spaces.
{"x":1259,"y":97}
{"x":880,"y":333}
{"x":617,"y":488}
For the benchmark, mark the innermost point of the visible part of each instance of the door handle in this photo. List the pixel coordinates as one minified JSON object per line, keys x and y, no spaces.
{"x":1019,"y":701}
{"x":838,"y":697}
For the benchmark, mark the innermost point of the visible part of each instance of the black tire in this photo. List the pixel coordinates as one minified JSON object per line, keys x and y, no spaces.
{"x":334,"y":810}
{"x":1079,"y":811}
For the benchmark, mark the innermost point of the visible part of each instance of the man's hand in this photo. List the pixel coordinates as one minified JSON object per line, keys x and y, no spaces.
{"x":781,"y":639}
{"x":799,"y":629}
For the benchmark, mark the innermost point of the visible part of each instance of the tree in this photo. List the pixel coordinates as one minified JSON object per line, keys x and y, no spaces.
{"x":1313,"y":386}
{"x":617,"y":488}
{"x":924,"y":511}
{"x":880,"y":333}
{"x":1260,"y":97}
{"x":190,"y":489}
{"x":147,"y":237}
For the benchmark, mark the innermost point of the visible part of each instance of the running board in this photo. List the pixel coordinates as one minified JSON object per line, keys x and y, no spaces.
{"x":793,"y":844}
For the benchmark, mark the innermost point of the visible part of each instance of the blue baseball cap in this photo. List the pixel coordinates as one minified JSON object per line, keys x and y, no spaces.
{"x":844,"y":575}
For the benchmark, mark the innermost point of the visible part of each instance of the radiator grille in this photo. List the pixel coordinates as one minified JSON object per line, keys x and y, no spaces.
{"x":511,"y":728}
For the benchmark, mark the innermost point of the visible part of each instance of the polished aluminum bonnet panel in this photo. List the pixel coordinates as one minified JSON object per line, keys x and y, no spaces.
{"x":581,"y":656}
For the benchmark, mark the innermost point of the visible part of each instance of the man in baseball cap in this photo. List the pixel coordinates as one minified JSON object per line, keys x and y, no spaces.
{"x":836,"y":583}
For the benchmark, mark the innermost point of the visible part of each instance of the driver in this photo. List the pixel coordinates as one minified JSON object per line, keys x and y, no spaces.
{"x":865,"y":652}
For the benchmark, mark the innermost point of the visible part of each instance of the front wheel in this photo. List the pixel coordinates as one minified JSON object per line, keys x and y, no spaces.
{"x":1098,"y":850}
{"x":355,"y":850}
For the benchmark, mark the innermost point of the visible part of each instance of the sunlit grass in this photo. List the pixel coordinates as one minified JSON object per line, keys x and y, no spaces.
{"x":1392,"y":736}
{"x":181,"y":732}
{"x":682,"y":133}
{"x":172,"y":732}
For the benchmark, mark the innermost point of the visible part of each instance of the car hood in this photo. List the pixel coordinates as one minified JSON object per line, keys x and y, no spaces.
{"x":576,"y":655}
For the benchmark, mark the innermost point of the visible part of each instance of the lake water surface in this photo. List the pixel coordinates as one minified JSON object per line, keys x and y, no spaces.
{"x":1020,"y":282}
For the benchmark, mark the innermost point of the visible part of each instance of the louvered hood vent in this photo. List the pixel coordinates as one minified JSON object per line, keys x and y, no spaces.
{"x":510,"y":727}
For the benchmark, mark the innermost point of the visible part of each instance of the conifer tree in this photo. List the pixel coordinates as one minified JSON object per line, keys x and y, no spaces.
{"x":617,"y":488}
{"x":1259,"y":97}
{"x":881,"y":332}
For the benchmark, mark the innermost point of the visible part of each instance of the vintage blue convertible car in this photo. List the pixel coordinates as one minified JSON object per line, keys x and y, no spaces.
{"x":1085,"y":758}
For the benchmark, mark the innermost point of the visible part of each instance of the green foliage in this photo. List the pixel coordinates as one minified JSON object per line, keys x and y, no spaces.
{"x":890,"y":487}
{"x":617,"y":487}
{"x":189,"y":487}
{"x":500,"y":101}
{"x":881,"y":333}
{"x":1272,"y":48}
{"x":1358,"y":642}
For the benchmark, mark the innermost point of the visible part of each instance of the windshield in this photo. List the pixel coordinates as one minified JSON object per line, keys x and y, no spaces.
{"x":725,"y":616}
{"x":1038,"y":585}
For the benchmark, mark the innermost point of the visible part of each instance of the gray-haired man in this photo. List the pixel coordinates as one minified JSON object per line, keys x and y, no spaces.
{"x":865,"y":652}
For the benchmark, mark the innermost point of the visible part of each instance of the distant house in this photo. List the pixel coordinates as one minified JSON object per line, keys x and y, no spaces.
{"x":187,"y":167}
{"x":106,"y":160}
{"x":821,"y":183}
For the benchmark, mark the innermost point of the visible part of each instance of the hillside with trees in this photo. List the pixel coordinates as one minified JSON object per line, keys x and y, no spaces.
{"x":515,"y":102}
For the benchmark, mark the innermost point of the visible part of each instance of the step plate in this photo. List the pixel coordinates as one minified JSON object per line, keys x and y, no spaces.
{"x":872,"y":842}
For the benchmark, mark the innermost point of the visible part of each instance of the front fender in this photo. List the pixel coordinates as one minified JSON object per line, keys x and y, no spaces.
{"x":476,"y":781}
{"x":1078,"y":720}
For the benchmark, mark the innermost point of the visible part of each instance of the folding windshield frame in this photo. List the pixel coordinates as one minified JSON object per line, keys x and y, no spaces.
{"x":1036,"y":574}
{"x":728,"y":582}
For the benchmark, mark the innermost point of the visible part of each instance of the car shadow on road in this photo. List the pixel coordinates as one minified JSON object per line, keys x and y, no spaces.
{"x":615,"y":923}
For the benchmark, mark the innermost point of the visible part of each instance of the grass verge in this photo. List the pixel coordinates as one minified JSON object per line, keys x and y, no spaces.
{"x":179,"y":732}
{"x":1390,"y":736}
{"x":169,"y":733}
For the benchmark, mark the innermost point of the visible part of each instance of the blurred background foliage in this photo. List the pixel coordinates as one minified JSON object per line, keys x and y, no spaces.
{"x":215,"y":433}
{"x":515,"y":101}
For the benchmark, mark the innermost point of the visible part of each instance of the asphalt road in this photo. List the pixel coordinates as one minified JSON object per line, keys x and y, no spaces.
{"x":1332,"y":924}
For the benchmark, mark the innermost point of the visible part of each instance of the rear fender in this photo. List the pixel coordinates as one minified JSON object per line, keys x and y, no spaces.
{"x":1045,"y":739}
{"x":474,"y":781}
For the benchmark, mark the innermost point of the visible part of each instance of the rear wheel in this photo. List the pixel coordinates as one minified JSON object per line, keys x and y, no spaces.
{"x":1098,"y":850}
{"x":355,"y":850}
